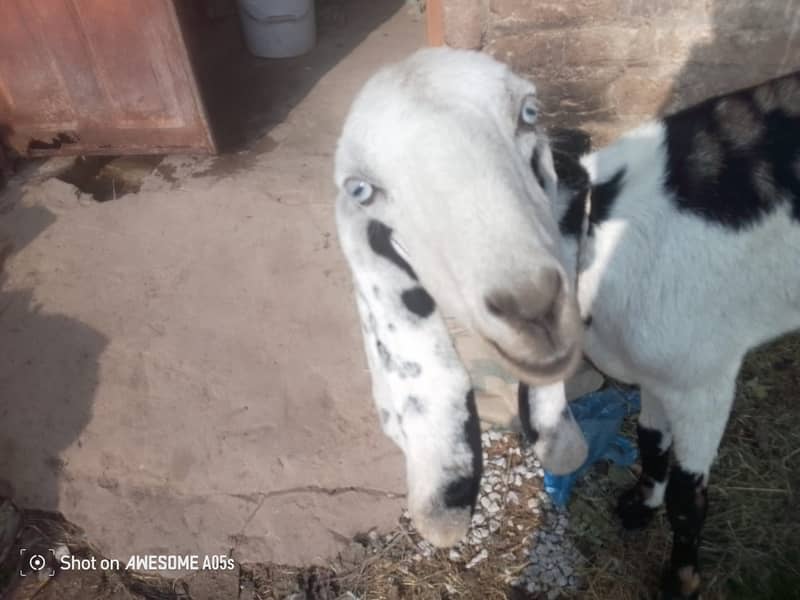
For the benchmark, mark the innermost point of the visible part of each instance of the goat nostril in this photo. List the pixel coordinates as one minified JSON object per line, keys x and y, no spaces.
{"x":533,"y":305}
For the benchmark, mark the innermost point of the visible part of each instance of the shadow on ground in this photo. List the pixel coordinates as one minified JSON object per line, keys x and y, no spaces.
{"x":48,"y":370}
{"x":245,"y":95}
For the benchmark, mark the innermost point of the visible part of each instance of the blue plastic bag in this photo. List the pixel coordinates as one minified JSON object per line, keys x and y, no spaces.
{"x":599,"y":416}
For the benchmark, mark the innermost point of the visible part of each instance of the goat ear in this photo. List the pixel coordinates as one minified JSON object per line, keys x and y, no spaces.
{"x":383,"y":395}
{"x":427,"y":407}
{"x":422,"y":391}
{"x":544,"y":168}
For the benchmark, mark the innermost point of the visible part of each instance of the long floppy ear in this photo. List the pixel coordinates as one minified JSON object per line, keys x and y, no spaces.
{"x":543,"y":166}
{"x":422,"y":391}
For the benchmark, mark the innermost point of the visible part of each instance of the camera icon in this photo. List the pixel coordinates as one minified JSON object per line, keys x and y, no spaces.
{"x":36,"y":562}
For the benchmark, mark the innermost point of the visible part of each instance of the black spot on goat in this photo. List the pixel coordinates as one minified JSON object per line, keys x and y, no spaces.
{"x":419,"y":302}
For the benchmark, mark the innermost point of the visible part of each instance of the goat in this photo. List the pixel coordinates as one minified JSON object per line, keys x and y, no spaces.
{"x":677,"y":253}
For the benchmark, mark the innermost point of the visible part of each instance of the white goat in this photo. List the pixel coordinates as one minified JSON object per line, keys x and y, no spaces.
{"x":680,"y":252}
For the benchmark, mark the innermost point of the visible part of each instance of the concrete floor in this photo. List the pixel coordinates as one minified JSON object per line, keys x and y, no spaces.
{"x":181,"y":368}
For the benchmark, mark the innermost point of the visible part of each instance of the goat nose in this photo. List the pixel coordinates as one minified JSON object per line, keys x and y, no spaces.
{"x":535,"y":303}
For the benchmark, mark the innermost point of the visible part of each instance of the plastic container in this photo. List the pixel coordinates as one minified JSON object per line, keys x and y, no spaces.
{"x":278,"y":28}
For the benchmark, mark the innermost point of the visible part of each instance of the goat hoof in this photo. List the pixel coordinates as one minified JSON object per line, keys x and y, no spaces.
{"x":632,"y":510}
{"x":681,"y":584}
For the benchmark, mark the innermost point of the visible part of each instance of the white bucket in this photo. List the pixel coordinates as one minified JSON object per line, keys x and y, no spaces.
{"x":278,"y":28}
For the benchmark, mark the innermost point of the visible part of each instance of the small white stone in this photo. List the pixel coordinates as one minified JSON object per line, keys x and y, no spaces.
{"x":512,"y":498}
{"x":478,"y":518}
{"x":494,"y":525}
{"x":533,"y":503}
{"x":454,"y":555}
{"x":495,"y":435}
{"x":481,"y":556}
{"x":518,"y":481}
{"x":493,"y":508}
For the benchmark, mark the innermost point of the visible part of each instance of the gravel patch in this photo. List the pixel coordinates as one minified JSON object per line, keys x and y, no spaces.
{"x":515,"y":526}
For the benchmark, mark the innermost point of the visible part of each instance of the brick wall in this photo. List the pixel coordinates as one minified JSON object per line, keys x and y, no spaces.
{"x":606,"y":65}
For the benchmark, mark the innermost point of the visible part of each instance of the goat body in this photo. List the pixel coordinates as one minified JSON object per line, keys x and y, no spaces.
{"x":692,"y":258}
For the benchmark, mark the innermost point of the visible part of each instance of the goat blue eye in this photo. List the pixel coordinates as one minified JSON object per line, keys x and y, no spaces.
{"x":359,"y":189}
{"x":529,"y":111}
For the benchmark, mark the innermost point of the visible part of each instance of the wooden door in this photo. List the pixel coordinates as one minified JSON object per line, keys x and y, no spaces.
{"x":97,"y":77}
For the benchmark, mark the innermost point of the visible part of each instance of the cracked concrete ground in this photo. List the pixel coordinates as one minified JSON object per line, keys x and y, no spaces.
{"x":180,"y":367}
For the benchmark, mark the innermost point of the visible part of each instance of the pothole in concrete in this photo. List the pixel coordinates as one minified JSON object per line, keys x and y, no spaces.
{"x":109,"y":177}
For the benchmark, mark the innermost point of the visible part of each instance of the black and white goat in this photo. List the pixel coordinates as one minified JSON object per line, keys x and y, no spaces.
{"x":679,"y":254}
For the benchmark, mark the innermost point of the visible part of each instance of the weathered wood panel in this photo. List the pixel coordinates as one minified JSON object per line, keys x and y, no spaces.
{"x":97,"y":76}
